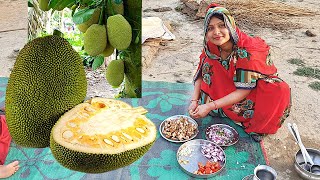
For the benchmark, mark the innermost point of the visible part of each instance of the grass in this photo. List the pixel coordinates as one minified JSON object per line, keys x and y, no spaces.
{"x":315,"y":85}
{"x":308,"y":72}
{"x":296,"y":61}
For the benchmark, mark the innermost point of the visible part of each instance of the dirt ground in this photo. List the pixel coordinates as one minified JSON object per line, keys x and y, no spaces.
{"x":178,"y":60}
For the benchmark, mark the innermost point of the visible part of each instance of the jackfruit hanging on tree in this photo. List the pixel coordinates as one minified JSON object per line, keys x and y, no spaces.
{"x":108,"y":50}
{"x":95,"y":39}
{"x":47,"y":80}
{"x":115,"y":72}
{"x":122,"y":21}
{"x":101,"y":135}
{"x":119,"y":32}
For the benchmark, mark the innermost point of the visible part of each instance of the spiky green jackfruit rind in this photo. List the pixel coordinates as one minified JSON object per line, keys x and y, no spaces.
{"x":95,"y":39}
{"x":115,"y":72}
{"x":44,"y":5}
{"x":93,"y":20}
{"x":117,"y":7}
{"x":119,"y":32}
{"x":95,"y":163}
{"x":108,"y":51}
{"x":47,"y":79}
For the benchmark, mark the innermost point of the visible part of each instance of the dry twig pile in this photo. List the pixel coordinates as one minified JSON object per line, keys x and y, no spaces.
{"x":252,"y":13}
{"x":264,"y":13}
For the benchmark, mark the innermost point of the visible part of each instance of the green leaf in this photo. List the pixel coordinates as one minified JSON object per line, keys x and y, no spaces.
{"x":82,"y":15}
{"x":60,"y":4}
{"x":53,"y":3}
{"x":30,"y":4}
{"x":98,"y":61}
{"x":57,"y":33}
{"x":97,"y":1}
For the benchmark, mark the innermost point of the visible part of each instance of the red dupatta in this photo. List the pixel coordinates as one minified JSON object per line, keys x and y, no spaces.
{"x":5,"y":139}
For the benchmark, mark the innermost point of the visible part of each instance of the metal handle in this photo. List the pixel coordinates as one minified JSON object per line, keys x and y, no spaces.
{"x":294,"y":134}
{"x":295,"y":128}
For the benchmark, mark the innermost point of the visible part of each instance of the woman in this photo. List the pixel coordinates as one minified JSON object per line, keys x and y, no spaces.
{"x":237,"y":79}
{"x":5,"y":139}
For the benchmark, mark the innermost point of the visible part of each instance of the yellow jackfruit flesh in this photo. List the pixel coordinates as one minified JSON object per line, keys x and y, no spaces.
{"x":108,"y":51}
{"x":95,"y":39}
{"x":47,"y":79}
{"x":101,"y":135}
{"x":115,"y":72}
{"x":119,"y":32}
{"x":93,"y":20}
{"x":116,"y":6}
{"x":44,"y":5}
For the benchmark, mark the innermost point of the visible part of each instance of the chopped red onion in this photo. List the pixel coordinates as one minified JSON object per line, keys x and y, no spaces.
{"x":212,"y":152}
{"x":219,"y":135}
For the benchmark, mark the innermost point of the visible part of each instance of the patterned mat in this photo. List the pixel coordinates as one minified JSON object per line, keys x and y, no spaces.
{"x":162,"y":100}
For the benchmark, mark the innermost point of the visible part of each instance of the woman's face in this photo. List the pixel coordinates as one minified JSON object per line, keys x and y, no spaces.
{"x":217,"y":33}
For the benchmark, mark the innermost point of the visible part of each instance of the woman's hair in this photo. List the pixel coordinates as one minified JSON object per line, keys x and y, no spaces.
{"x":219,"y":16}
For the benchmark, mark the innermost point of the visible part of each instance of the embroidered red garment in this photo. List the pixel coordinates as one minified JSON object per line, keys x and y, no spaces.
{"x":5,"y":139}
{"x":268,"y":103}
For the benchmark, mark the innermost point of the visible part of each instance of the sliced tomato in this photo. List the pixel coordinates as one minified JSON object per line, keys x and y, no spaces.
{"x":208,"y":164}
{"x":208,"y":170}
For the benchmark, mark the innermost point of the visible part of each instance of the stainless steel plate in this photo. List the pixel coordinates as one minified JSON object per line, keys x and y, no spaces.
{"x":189,"y":155}
{"x":176,"y":117}
{"x":226,"y":136}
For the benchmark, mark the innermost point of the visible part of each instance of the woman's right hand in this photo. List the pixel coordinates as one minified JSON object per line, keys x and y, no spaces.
{"x":192,"y":107}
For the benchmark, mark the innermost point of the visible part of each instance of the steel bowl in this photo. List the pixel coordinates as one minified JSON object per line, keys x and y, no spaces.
{"x":176,"y":117}
{"x":231,"y":141}
{"x":191,"y":160}
{"x":299,"y":161}
{"x":264,"y":172}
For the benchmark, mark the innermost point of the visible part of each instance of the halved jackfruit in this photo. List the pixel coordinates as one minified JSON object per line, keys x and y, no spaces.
{"x":101,"y":135}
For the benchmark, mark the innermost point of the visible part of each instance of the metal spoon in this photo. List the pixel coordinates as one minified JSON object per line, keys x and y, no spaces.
{"x":294,"y":133}
{"x":313,"y":168}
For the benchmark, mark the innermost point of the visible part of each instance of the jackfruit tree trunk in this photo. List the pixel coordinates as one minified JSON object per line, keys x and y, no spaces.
{"x":133,"y":70}
{"x":36,"y":20}
{"x":39,"y":21}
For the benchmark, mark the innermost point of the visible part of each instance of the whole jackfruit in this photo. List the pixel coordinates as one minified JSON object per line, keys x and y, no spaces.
{"x":108,"y":51}
{"x":115,"y":72}
{"x":119,"y":32}
{"x":47,"y":79}
{"x":101,"y":135}
{"x":44,"y":5}
{"x":93,"y":20}
{"x":95,"y":39}
{"x":116,"y":7}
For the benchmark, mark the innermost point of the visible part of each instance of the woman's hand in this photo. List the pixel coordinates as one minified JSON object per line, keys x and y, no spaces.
{"x":201,"y":111}
{"x":192,"y":107}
